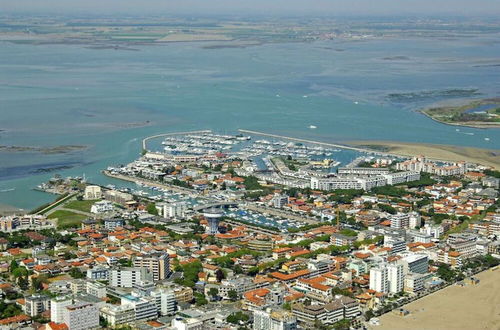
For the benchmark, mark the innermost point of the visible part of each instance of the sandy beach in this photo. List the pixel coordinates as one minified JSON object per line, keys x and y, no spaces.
{"x":488,"y":157}
{"x":454,"y":308}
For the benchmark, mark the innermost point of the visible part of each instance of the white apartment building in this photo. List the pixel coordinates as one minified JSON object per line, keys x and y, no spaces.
{"x":172,"y":210}
{"x":434,"y":231}
{"x":274,"y":320}
{"x":363,"y":171}
{"x":101,"y":207}
{"x":82,"y":316}
{"x":168,"y":304}
{"x":96,"y":289}
{"x":395,"y":277}
{"x":396,"y":243}
{"x":145,"y":309}
{"x":126,"y":277}
{"x":36,"y":304}
{"x":414,"y":282}
{"x":415,"y":220}
{"x":378,"y":279}
{"x":118,"y":314}
{"x":416,"y":263}
{"x":401,"y":177}
{"x":58,"y":306}
{"x":400,"y":220}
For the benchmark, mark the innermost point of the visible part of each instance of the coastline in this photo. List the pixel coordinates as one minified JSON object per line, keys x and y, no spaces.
{"x":487,"y":157}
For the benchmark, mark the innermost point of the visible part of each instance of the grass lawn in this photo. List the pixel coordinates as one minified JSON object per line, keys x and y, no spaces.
{"x":67,"y":219}
{"x":83,"y":206}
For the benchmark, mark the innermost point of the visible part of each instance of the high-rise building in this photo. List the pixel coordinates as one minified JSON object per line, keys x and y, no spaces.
{"x":395,"y":277}
{"x":127,"y":277}
{"x":400,"y":220}
{"x":378,"y":279}
{"x":416,"y":263}
{"x":81,"y":316}
{"x":57,"y":307}
{"x":157,"y":263}
{"x":280,"y":200}
{"x":168,"y":304}
{"x":415,"y":220}
{"x":213,"y":216}
{"x":36,"y":304}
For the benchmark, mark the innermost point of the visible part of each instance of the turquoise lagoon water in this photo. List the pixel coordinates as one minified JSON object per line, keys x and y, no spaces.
{"x":109,"y":99}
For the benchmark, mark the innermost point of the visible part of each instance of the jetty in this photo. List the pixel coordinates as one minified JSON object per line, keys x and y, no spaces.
{"x":276,"y":136}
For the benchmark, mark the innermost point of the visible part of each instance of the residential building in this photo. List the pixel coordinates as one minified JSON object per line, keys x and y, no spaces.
{"x":341,"y":308}
{"x":113,"y":223}
{"x":96,"y":289}
{"x":92,"y":193}
{"x":98,"y":273}
{"x":145,"y":309}
{"x":58,"y":306}
{"x":379,"y":279}
{"x":118,"y":314}
{"x":416,"y":263}
{"x":395,"y":277}
{"x":274,"y":320}
{"x":126,"y":277}
{"x":157,"y":263}
{"x":36,"y":304}
{"x":81,"y":316}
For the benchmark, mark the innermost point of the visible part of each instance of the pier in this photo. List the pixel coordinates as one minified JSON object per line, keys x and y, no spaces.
{"x":306,"y":141}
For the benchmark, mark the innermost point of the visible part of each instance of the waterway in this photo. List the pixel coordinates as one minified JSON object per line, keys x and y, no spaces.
{"x":108,"y":100}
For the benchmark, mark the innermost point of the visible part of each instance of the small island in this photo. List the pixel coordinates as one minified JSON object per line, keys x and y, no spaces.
{"x":483,"y":113}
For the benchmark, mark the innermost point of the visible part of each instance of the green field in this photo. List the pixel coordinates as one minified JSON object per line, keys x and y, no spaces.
{"x":67,"y":219}
{"x":83,"y":206}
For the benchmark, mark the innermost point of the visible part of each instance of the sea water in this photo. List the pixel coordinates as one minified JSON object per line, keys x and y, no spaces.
{"x":108,"y":100}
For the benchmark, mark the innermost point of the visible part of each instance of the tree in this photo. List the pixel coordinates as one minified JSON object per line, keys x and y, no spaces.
{"x":75,"y":272}
{"x":235,"y":318}
{"x":446,"y":273}
{"x":213,"y":292}
{"x":387,"y":208}
{"x":369,"y":314}
{"x":233,"y":295}
{"x":151,"y":209}
{"x":200,"y":299}
{"x":19,"y":272}
{"x":219,"y":275}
